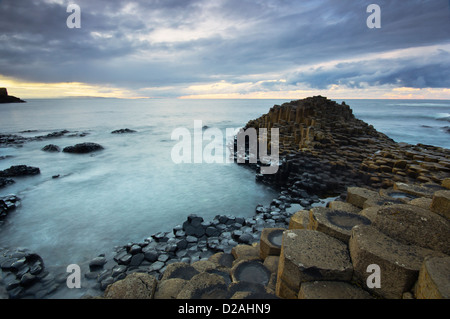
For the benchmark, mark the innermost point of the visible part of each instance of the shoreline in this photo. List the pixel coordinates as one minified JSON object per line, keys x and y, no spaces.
{"x":327,"y":164}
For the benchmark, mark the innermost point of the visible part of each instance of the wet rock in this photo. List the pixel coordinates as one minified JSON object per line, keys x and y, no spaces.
{"x":5,"y":182}
{"x":97,"y":263}
{"x":335,"y":223}
{"x":252,"y":271}
{"x":83,"y":148}
{"x":122,"y":131}
{"x":8,"y":204}
{"x":20,"y":170}
{"x":51,"y":148}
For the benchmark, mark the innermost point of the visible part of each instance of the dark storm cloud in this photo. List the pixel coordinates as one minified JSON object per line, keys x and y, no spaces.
{"x":132,"y":43}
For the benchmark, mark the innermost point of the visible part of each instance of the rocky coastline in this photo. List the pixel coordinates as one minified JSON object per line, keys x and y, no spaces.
{"x":5,"y":98}
{"x":388,"y":204}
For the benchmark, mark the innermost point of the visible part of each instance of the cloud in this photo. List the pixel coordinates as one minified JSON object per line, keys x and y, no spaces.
{"x":172,"y":46}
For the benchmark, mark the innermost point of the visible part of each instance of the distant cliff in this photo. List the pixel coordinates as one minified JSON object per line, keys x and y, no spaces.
{"x":5,"y":98}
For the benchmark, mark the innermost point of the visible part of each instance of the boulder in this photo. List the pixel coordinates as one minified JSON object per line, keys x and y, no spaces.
{"x":308,"y":255}
{"x":51,"y":148}
{"x":399,"y":263}
{"x":5,"y":182}
{"x":410,"y":224}
{"x":20,"y":170}
{"x":434,"y":279}
{"x":133,"y":286}
{"x":83,"y":148}
{"x":122,"y":131}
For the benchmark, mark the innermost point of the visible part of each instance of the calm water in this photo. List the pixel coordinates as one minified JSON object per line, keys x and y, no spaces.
{"x":132,"y":189}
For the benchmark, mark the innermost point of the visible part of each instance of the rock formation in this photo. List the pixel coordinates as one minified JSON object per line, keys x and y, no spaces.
{"x":5,"y":98}
{"x":324,"y":149}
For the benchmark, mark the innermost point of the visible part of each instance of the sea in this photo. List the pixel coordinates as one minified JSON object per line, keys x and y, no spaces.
{"x":133,"y":188}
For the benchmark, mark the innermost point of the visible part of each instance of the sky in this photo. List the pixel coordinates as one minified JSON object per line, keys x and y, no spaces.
{"x":277,"y":49}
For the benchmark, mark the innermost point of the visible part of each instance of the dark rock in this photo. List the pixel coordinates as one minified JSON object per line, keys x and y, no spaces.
{"x":212,"y":231}
{"x":27,"y":279}
{"x":135,"y":249}
{"x":19,"y":170}
{"x":137,"y":259}
{"x":122,"y":131}
{"x":125,"y":259}
{"x":97,"y":263}
{"x":5,"y":182}
{"x":83,"y":148}
{"x":5,"y":98}
{"x":51,"y":148}
{"x":118,"y":269}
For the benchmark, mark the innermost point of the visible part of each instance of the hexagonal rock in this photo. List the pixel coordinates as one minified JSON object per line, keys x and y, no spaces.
{"x":252,"y":271}
{"x":222,"y":260}
{"x":170,"y":288}
{"x":446,"y":183}
{"x":347,"y":207}
{"x":370,"y":212}
{"x":179,"y":270}
{"x":441,"y":203}
{"x":203,"y":265}
{"x":204,"y":286}
{"x":271,"y":263}
{"x":308,"y":255}
{"x":245,"y":252}
{"x":422,"y":202}
{"x":335,"y":223}
{"x":331,"y":290}
{"x":270,"y":242}
{"x":133,"y":286}
{"x":358,"y":195}
{"x":434,"y":279}
{"x":410,"y":224}
{"x":424,"y":190}
{"x":399,"y":264}
{"x":299,"y":220}
{"x":382,"y":201}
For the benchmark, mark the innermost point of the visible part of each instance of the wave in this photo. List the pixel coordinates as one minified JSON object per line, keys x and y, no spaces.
{"x":443,"y":117}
